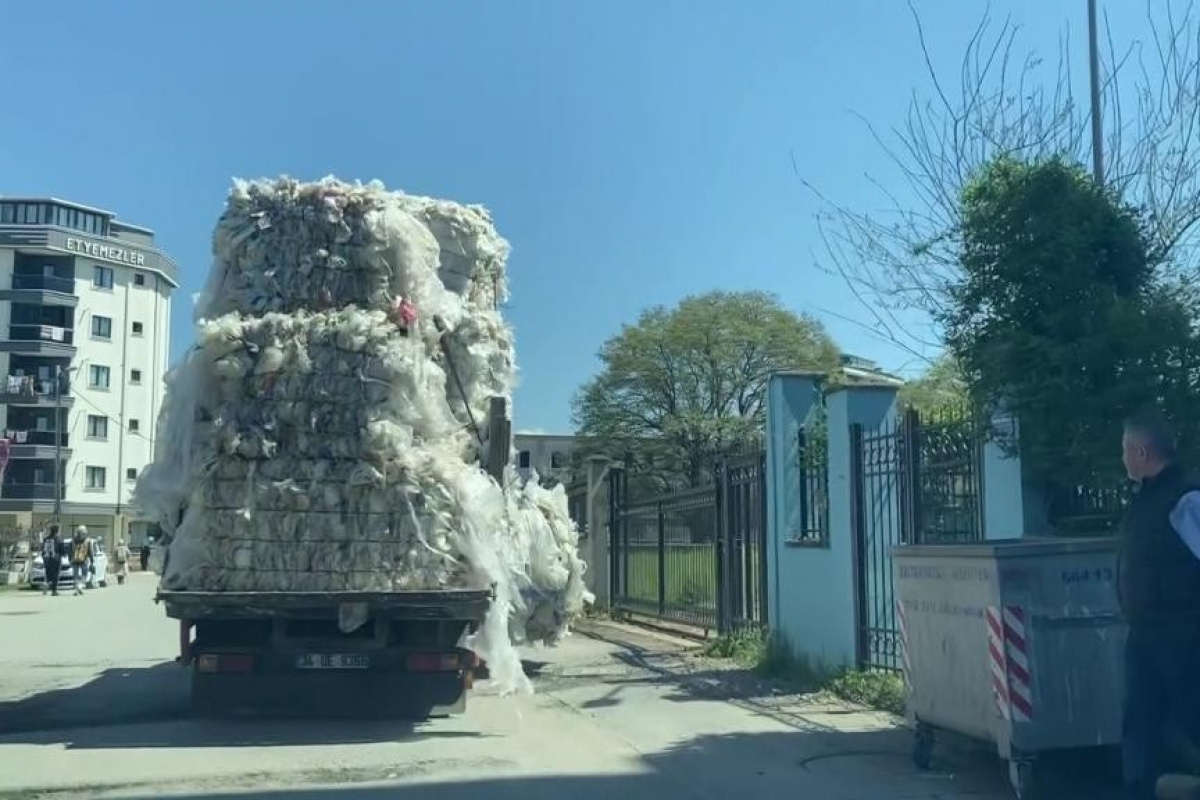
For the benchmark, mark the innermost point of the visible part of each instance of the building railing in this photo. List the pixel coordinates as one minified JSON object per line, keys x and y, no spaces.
{"x":29,"y":386}
{"x":19,"y":437}
{"x":27,"y":491}
{"x":40,"y":333}
{"x":49,"y":283}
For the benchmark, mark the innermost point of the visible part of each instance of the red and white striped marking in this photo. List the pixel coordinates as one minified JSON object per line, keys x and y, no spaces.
{"x":902,"y":624}
{"x":1008,"y":655}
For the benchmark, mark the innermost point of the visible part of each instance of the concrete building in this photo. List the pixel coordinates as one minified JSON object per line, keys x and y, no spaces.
{"x":86,"y":297}
{"x":549,"y":454}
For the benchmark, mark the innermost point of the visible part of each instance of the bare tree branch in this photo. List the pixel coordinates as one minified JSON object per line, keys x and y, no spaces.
{"x":903,"y":257}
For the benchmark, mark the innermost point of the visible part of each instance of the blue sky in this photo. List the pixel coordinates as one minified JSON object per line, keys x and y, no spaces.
{"x":632,"y":152}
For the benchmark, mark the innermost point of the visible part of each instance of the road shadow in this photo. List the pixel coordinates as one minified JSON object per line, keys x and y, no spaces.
{"x":707,"y":766}
{"x":118,"y":707}
{"x":115,"y":696}
{"x":1092,"y":773}
{"x":198,"y":733}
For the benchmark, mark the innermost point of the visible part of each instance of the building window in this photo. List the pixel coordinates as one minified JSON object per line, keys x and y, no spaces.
{"x":39,"y":475}
{"x":523,"y":459}
{"x":97,"y":478}
{"x":131,"y":474}
{"x":97,"y":427}
{"x":8,"y":213}
{"x":139,"y":279}
{"x":137,"y":329}
{"x":101,"y":327}
{"x":135,"y":377}
{"x":134,"y":426}
{"x":102,"y":277}
{"x":98,"y":377}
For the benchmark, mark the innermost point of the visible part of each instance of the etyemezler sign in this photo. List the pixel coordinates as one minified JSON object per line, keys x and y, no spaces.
{"x":106,"y":252}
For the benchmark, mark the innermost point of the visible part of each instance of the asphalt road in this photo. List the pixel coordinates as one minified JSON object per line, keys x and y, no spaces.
{"x":91,"y":706}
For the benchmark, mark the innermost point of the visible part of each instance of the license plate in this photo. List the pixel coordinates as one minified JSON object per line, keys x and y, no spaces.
{"x":332,"y":661}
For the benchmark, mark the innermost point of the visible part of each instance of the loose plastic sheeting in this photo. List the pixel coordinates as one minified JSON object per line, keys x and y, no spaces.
{"x":324,"y":432}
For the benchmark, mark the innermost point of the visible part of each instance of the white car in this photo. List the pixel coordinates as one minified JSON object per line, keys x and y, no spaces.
{"x":97,"y":577}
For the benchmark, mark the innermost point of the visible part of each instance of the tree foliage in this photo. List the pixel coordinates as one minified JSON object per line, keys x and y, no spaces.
{"x":1059,"y":314}
{"x":901,"y":254}
{"x":942,"y":387}
{"x":683,"y":386}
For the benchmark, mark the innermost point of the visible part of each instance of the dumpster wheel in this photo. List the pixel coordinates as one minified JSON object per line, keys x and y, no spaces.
{"x":1026,"y":778}
{"x":922,"y":750}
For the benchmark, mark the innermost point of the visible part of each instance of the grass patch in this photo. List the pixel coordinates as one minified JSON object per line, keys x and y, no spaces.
{"x":876,"y":689}
{"x":772,"y":657}
{"x":769,"y":656}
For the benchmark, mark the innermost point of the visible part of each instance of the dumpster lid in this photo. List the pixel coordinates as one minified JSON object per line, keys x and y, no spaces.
{"x":1009,"y":548}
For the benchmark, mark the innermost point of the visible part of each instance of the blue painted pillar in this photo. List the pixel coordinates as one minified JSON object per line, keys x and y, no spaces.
{"x":834,"y":632}
{"x":1004,"y":497}
{"x":791,"y":398}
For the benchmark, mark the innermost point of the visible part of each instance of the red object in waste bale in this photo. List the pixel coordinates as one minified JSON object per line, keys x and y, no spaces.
{"x":404,"y":313}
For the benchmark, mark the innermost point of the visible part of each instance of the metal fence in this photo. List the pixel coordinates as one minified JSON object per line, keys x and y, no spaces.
{"x":912,"y":482}
{"x":812,"y":457}
{"x":577,"y":507}
{"x":694,"y":556}
{"x":741,"y":543}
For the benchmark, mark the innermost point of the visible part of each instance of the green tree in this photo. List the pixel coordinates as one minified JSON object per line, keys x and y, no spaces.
{"x":1059,"y":315}
{"x":683,"y":386}
{"x":899,"y":250}
{"x":941,"y":387}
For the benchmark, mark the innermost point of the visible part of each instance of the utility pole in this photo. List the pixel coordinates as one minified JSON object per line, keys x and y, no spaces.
{"x":1097,"y":111}
{"x":58,"y":426}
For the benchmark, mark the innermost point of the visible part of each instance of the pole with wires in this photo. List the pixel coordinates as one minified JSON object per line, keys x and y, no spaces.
{"x":1097,"y":111}
{"x":58,"y":426}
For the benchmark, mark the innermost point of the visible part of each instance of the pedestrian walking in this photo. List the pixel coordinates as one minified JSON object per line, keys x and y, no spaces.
{"x":121,"y":554}
{"x":81,"y":558}
{"x":1159,"y":584}
{"x":52,"y":553}
{"x":144,"y":556}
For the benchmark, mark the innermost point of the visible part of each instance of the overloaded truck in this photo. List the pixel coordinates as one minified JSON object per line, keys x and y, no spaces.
{"x":344,"y":530}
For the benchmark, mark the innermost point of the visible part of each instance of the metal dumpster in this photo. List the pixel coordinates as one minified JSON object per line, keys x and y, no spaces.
{"x":1015,"y":642}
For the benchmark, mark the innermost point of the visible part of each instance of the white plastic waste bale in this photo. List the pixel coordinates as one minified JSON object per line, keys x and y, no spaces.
{"x":473,"y":254}
{"x":319,"y":436}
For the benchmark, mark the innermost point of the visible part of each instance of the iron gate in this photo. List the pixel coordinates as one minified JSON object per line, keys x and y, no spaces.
{"x":696,"y":556}
{"x":912,"y":482}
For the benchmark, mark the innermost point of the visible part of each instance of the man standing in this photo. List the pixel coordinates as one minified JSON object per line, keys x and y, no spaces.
{"x":1160,"y":595}
{"x":81,"y":558}
{"x":52,"y":553}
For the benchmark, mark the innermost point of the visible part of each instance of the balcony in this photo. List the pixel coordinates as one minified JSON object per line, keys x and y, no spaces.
{"x":39,"y":340}
{"x":41,"y":290}
{"x":26,"y":390}
{"x":27,"y":491}
{"x":36,"y":444}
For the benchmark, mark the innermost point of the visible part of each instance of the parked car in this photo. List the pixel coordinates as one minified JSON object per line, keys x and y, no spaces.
{"x":37,"y":573}
{"x":97,"y":577}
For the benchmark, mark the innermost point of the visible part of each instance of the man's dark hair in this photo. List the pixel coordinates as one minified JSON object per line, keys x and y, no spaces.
{"x":54,"y":529}
{"x":1155,"y":431}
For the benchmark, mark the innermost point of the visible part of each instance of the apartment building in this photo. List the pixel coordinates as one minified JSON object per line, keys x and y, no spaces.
{"x":85,"y":318}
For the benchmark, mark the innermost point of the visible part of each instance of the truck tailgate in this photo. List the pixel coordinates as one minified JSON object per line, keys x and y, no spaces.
{"x":456,"y":604}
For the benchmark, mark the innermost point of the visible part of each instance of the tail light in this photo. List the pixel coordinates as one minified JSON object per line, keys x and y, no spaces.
{"x":229,"y":662}
{"x":433,"y":662}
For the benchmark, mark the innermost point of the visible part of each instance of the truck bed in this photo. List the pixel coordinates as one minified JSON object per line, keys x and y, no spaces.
{"x":449,"y":604}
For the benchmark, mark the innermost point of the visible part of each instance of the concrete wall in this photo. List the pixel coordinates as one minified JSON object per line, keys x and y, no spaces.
{"x":813,"y":591}
{"x":1004,"y":496}
{"x":812,"y":588}
{"x":791,"y":399}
